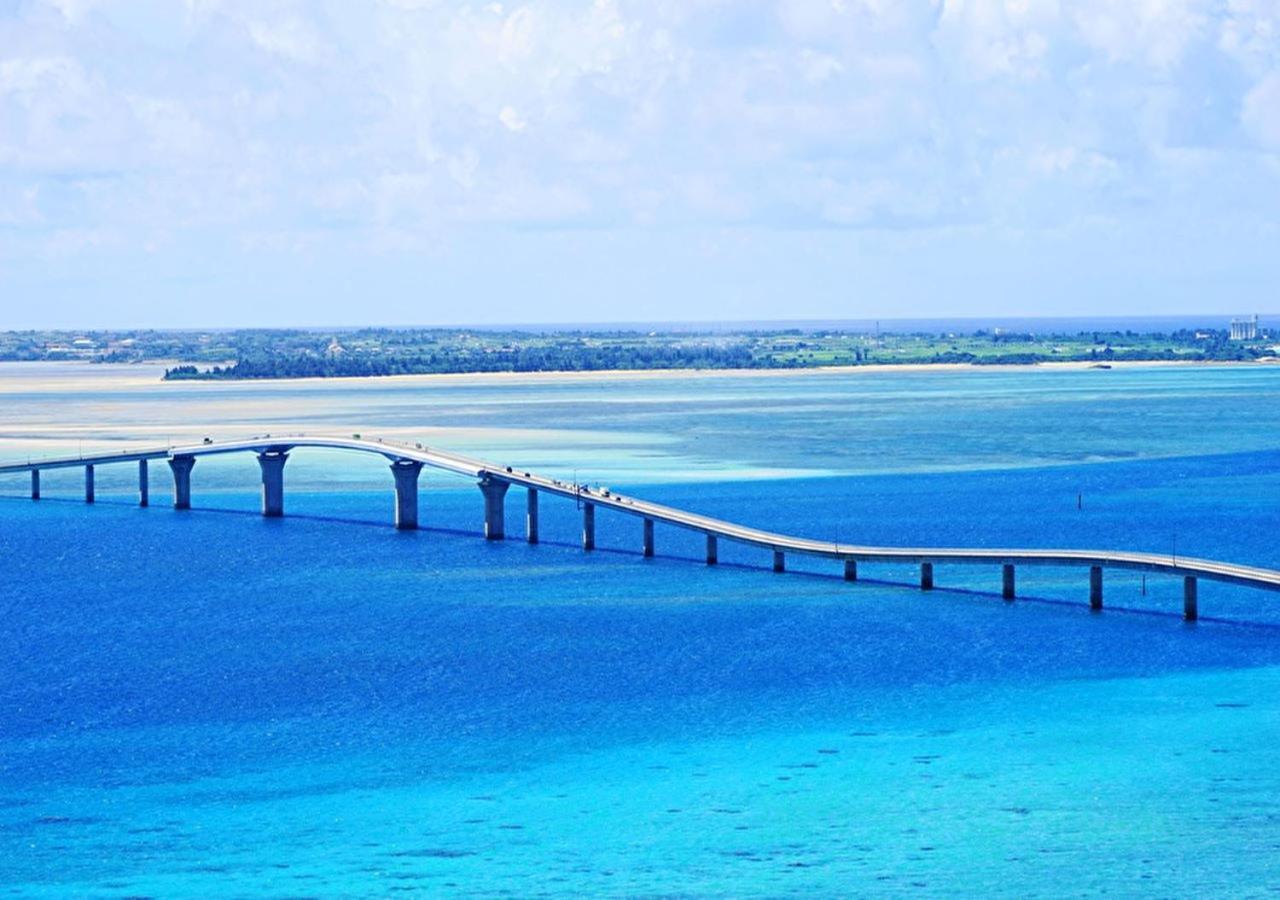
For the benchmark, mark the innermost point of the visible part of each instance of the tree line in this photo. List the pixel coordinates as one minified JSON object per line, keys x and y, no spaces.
{"x":521,"y":359}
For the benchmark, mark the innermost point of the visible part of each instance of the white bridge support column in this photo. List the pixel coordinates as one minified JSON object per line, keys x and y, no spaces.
{"x":272,"y":464}
{"x":647,"y":547}
{"x":926,"y":576}
{"x":88,"y":484}
{"x":1190,"y":599}
{"x":35,"y":484}
{"x":850,"y":570}
{"x":713,"y":550}
{"x":779,"y":561}
{"x":181,"y":467}
{"x":494,"y":508}
{"x":531,"y":516}
{"x":588,"y":526}
{"x":1007,"y":589}
{"x":406,"y":472}
{"x":144,"y":484}
{"x":1095,"y":587}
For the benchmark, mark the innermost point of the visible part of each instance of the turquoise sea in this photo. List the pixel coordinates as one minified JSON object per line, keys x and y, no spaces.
{"x":208,"y":703}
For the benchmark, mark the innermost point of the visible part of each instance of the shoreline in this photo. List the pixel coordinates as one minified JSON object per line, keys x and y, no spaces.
{"x":870,"y":368}
{"x":80,"y":368}
{"x":828,"y":370}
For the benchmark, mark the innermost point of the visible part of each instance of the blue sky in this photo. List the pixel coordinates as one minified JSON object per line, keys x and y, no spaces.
{"x":219,"y":163}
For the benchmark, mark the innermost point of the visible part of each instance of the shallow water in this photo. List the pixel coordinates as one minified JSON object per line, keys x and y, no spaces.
{"x":662,"y":427}
{"x":206,"y":701}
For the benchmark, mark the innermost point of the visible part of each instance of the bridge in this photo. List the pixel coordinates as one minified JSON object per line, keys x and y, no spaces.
{"x":407,"y":460}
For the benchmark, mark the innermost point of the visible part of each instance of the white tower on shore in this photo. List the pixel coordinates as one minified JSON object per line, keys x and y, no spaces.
{"x":1244,"y":329}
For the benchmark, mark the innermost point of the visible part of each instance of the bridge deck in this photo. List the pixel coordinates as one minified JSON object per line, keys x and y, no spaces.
{"x":1268,"y":579}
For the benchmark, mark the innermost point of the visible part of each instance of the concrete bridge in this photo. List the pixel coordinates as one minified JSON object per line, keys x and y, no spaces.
{"x":406,"y":462}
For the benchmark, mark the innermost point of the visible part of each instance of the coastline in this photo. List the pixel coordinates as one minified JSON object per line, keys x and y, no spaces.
{"x":871,"y":368}
{"x":64,"y":374}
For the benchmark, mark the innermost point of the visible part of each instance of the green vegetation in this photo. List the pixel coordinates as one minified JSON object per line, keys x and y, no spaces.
{"x":298,"y":353}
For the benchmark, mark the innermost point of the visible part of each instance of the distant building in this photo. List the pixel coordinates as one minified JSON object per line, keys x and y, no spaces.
{"x":1244,"y":329}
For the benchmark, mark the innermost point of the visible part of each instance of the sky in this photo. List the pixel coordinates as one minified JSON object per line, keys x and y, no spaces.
{"x":218,"y":163}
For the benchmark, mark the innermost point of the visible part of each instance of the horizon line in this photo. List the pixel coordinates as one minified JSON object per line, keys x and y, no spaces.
{"x":668,"y":324}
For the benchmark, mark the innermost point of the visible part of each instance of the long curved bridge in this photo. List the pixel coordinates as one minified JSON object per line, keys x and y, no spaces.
{"x":407,"y":461}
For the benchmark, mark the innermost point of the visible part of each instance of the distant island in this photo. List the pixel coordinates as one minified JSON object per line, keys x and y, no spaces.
{"x":302,"y":353}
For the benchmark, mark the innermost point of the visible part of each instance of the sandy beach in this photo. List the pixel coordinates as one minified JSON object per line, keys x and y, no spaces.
{"x":24,"y":377}
{"x":620,"y":424}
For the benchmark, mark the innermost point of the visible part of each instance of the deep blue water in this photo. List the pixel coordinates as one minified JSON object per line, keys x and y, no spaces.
{"x":167,"y":670}
{"x":208,"y":703}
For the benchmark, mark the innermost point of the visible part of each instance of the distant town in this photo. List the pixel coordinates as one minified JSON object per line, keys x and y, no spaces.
{"x":298,"y":353}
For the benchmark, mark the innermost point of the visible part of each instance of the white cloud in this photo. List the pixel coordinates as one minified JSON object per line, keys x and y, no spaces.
{"x":512,"y":119}
{"x":1250,"y":33}
{"x":28,"y":80}
{"x":74,"y":11}
{"x":988,"y":38}
{"x":173,"y":131}
{"x":289,"y":37}
{"x":1088,"y":165}
{"x":818,"y":67}
{"x":1260,"y":113}
{"x":392,"y":116}
{"x":1155,"y":32}
{"x":19,"y":205}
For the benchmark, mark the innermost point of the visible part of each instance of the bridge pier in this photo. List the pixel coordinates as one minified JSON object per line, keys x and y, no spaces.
{"x":588,"y":526}
{"x":272,"y":464}
{"x":405,"y":472}
{"x":531,"y":517}
{"x":181,"y":467}
{"x":494,"y":482}
{"x":495,"y":514}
